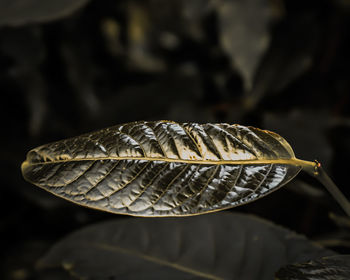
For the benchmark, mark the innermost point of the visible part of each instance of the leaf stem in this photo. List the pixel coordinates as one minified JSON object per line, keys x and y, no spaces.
{"x":320,"y":174}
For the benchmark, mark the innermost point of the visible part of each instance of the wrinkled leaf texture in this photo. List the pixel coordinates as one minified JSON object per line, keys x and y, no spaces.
{"x":216,"y":246}
{"x":327,"y":268}
{"x":164,"y":168}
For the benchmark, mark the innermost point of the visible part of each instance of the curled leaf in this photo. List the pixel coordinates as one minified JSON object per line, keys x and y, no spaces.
{"x":164,"y":168}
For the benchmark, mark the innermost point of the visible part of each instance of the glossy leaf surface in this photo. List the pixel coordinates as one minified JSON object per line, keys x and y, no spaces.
{"x":215,"y":246}
{"x":164,"y":168}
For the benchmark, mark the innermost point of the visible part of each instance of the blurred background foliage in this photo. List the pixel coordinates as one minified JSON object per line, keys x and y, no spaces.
{"x":68,"y":67}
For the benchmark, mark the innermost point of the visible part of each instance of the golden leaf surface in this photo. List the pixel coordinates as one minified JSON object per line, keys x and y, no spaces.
{"x":164,"y":168}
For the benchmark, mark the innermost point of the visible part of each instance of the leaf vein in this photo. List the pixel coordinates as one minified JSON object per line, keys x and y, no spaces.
{"x":212,"y":141}
{"x":149,"y":184}
{"x":156,"y":137}
{"x":138,"y":142}
{"x":264,"y":179}
{"x":170,"y":184}
{"x":132,"y":179}
{"x":192,"y":139}
{"x":103,"y":177}
{"x":156,"y":260}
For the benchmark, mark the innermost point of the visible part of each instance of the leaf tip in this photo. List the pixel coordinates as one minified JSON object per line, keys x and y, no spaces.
{"x":24,"y":166}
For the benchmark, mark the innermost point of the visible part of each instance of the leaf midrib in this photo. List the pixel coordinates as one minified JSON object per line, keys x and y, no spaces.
{"x":156,"y":260}
{"x":291,"y":161}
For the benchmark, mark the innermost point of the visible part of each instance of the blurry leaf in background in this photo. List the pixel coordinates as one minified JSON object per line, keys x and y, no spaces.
{"x":304,"y":189}
{"x":327,"y":268}
{"x":25,"y":46}
{"x":139,"y":30}
{"x":81,"y":74}
{"x":338,"y":239}
{"x":244,"y":33}
{"x":291,"y":54}
{"x":215,"y":246}
{"x":340,"y":220}
{"x":173,"y":97}
{"x":26,"y":50}
{"x":19,"y":12}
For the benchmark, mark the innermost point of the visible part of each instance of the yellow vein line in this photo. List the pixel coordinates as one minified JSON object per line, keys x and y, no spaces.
{"x":169,"y":132}
{"x":172,"y":139}
{"x":75,"y":178}
{"x":264,"y":143}
{"x":207,"y":184}
{"x":170,"y":184}
{"x":291,"y":161}
{"x":102,"y":178}
{"x":264,"y":179}
{"x":238,"y":142}
{"x":211,"y":139}
{"x":238,"y":175}
{"x":192,"y":139}
{"x":257,"y":140}
{"x":137,"y":142}
{"x":53,"y":174}
{"x":55,"y":182}
{"x":150,"y":183}
{"x":132,"y":138}
{"x":190,"y":197}
{"x":131,"y":180}
{"x":239,"y":172}
{"x":156,"y":137}
{"x":186,"y":183}
{"x":209,"y":192}
{"x":67,"y":147}
{"x":155,"y":260}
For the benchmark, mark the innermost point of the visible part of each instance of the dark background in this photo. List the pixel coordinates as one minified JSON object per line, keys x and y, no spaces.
{"x":66,"y":69}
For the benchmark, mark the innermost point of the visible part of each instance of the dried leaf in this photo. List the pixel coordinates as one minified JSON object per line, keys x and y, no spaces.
{"x":327,"y":268}
{"x":236,"y":247}
{"x":164,"y":168}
